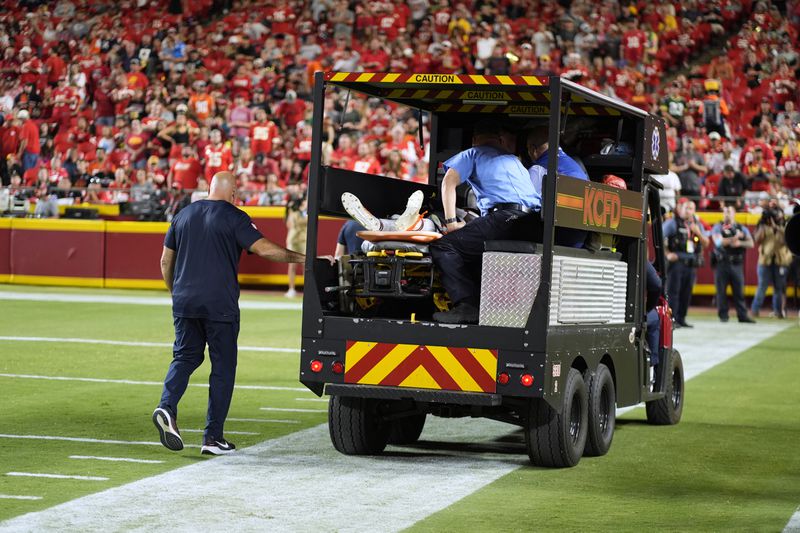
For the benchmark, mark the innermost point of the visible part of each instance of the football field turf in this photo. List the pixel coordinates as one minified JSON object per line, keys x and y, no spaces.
{"x":77,"y":408}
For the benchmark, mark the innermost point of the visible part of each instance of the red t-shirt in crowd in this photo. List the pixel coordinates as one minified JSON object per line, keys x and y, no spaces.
{"x":30,"y":133}
{"x":186,"y":172}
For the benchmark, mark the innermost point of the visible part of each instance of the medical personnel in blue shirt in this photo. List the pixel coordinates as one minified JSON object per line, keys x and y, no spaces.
{"x":200,"y":263}
{"x":509,"y":207}
{"x":539,"y":151}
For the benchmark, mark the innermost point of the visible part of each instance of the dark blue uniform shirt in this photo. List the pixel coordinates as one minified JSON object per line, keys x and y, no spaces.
{"x":208,"y":237}
{"x":347,"y":237}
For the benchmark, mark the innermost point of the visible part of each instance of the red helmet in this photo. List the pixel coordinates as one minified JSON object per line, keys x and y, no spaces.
{"x":614,"y":181}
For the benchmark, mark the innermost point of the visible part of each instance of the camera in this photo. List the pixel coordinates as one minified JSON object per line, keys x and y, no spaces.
{"x":771,"y":216}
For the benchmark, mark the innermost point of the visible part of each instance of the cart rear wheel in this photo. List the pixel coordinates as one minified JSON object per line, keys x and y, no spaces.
{"x":356,"y":425}
{"x":557,"y":438}
{"x":407,"y":430}
{"x":667,"y":411}
{"x":602,"y":412}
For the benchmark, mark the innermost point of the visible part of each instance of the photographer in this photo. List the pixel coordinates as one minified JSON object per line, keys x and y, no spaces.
{"x":685,"y":238}
{"x":774,"y":259}
{"x":727,"y":257}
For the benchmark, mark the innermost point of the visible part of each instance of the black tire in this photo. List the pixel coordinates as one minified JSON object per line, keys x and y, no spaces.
{"x":602,"y":412}
{"x":667,"y":411}
{"x":356,"y":426}
{"x":406,"y":430}
{"x":557,"y":439}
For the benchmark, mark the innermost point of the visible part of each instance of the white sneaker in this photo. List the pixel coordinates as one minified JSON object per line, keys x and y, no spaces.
{"x":291,"y":293}
{"x":359,"y":213}
{"x":410,"y":219}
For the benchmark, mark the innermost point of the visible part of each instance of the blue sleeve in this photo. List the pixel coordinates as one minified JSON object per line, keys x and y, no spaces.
{"x":746,"y":232}
{"x":169,"y":240}
{"x":669,"y":228}
{"x":246,"y":232}
{"x":716,"y":230}
{"x":463,"y":163}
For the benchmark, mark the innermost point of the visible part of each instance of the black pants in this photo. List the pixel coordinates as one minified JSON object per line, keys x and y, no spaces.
{"x":727,"y":273}
{"x":191,"y":337}
{"x":680,"y":281}
{"x":458,"y":254}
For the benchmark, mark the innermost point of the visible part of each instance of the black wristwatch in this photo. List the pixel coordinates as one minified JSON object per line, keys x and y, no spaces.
{"x":450,"y":220}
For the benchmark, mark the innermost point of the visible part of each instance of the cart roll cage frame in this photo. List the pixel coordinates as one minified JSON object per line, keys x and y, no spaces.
{"x":449,"y":97}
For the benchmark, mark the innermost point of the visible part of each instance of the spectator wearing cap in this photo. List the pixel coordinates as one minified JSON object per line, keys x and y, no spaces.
{"x":29,"y":145}
{"x":546,"y":67}
{"x":290,"y":110}
{"x":732,"y":187}
{"x":760,"y":172}
{"x":136,"y":79}
{"x":764,"y":113}
{"x":715,"y":108}
{"x":690,"y":167}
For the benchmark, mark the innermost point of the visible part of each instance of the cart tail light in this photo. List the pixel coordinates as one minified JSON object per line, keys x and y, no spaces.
{"x":316,"y":366}
{"x":337,"y":367}
{"x":503,"y":378}
{"x":526,"y":380}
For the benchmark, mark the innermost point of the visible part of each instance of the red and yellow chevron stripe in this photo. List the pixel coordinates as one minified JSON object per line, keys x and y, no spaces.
{"x":420,"y":366}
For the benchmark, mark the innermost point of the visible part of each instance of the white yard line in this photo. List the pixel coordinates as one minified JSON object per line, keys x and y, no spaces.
{"x":265,"y":420}
{"x":794,"y":523}
{"x":14,"y":497}
{"x":90,"y":441}
{"x":394,"y":490}
{"x":136,"y":300}
{"x":117,"y":459}
{"x":292,"y":410}
{"x":134,"y":343}
{"x":325,"y":400}
{"x":56,"y":476}
{"x":133,"y":382}
{"x":226,"y":432}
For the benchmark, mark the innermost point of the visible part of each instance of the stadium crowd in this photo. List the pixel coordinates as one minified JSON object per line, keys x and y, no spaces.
{"x":143,"y":101}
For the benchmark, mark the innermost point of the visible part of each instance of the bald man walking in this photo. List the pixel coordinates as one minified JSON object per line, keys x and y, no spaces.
{"x":200,"y":265}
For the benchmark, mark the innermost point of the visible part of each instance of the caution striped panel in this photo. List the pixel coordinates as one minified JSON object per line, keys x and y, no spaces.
{"x":456,"y":79}
{"x":421,"y":366}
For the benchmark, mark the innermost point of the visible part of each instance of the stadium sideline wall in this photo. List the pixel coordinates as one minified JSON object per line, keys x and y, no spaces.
{"x":118,"y":254}
{"x":105,"y":253}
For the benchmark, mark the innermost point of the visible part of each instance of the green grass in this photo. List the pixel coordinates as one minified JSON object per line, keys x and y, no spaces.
{"x":118,"y":411}
{"x":732,"y":464}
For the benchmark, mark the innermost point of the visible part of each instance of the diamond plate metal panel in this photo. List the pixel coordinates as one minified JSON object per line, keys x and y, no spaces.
{"x":583,"y":291}
{"x":509,"y":282}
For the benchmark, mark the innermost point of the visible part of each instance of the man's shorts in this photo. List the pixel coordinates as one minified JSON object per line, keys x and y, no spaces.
{"x":296,"y":241}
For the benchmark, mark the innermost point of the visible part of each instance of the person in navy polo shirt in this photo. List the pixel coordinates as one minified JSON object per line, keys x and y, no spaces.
{"x":200,"y":264}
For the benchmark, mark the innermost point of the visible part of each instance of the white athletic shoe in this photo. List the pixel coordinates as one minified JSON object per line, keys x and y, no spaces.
{"x":410,"y":219}
{"x":167,"y":429}
{"x":359,"y":213}
{"x":291,"y":293}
